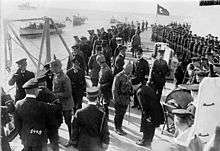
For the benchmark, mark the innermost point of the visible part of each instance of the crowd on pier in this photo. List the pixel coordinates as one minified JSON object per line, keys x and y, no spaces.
{"x":43,"y":101}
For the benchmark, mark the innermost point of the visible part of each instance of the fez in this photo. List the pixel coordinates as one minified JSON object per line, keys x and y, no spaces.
{"x":92,"y":92}
{"x":31,"y":84}
{"x":21,"y":61}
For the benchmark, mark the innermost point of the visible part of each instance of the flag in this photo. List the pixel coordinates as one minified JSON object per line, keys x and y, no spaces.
{"x":162,"y":11}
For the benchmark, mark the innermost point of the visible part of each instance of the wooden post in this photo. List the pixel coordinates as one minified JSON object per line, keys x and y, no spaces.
{"x":63,"y":41}
{"x":41,"y":48}
{"x":22,"y":45}
{"x":5,"y":33}
{"x":48,"y":51}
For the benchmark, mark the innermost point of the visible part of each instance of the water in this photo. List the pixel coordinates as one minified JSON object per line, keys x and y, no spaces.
{"x":203,"y":20}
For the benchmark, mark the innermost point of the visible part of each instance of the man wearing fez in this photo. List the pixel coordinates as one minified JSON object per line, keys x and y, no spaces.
{"x":78,"y":84}
{"x":121,"y":90}
{"x":63,"y":91}
{"x":152,"y":112}
{"x":158,"y":73}
{"x":31,"y":119}
{"x":20,"y":78}
{"x":105,"y":82}
{"x":90,"y":128}
{"x":140,"y":71}
{"x":120,"y":60}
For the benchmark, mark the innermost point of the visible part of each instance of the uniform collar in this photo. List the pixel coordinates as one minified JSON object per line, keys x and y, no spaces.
{"x":31,"y":96}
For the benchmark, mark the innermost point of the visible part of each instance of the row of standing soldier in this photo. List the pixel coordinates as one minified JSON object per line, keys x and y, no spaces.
{"x":64,"y":86}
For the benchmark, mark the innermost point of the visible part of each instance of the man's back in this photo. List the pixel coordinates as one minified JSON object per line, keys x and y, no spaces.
{"x":30,"y":117}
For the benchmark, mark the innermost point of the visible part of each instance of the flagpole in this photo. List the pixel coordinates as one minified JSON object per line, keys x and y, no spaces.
{"x":157,"y":15}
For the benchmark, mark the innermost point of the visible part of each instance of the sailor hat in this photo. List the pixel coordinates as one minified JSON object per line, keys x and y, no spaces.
{"x":92,"y":92}
{"x":181,"y":112}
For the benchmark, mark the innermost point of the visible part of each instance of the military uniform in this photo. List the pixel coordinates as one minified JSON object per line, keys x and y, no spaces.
{"x":90,"y":129}
{"x":152,"y":113}
{"x":135,"y":43}
{"x":30,"y":121}
{"x":121,"y":90}
{"x":95,"y":68}
{"x":105,"y":81}
{"x":20,"y":78}
{"x":63,"y":91}
{"x":55,"y":114}
{"x":157,"y":77}
{"x":48,"y":78}
{"x":119,"y":63}
{"x":78,"y":85}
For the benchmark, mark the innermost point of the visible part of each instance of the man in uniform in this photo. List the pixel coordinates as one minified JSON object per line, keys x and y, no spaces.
{"x":158,"y":73}
{"x":90,"y":128}
{"x":152,"y":112}
{"x":120,"y":60}
{"x":63,"y":91}
{"x":135,"y":43}
{"x":48,"y":77}
{"x":78,"y":84}
{"x":121,"y":90}
{"x":20,"y":78}
{"x":30,"y":119}
{"x":106,"y":52}
{"x":94,"y":67}
{"x":105,"y":82}
{"x":118,"y":48}
{"x":55,"y":113}
{"x":140,"y":71}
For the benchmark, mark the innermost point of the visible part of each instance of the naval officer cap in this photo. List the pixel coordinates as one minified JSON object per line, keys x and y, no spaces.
{"x":31,"y":84}
{"x":22,"y":61}
{"x":92,"y":92}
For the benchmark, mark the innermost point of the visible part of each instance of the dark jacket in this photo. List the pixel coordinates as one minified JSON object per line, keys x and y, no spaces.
{"x":150,"y":106}
{"x":158,"y":73}
{"x":119,"y":63}
{"x":78,"y":83}
{"x":141,"y":69}
{"x":87,"y":131}
{"x":55,"y":112}
{"x":30,"y":121}
{"x":20,"y":79}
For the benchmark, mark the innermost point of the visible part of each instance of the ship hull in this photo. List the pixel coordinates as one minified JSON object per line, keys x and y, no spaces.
{"x":37,"y":32}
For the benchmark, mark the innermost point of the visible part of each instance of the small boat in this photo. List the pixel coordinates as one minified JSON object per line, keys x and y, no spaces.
{"x":36,"y":29}
{"x":26,"y":6}
{"x":77,"y":20}
{"x":114,"y":21}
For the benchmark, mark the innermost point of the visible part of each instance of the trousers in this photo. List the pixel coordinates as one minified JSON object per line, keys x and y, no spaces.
{"x":120,"y":111}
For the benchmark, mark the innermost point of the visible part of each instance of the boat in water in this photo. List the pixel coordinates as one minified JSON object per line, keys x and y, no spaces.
{"x":77,"y":20}
{"x":114,"y":21}
{"x":26,"y":6}
{"x":36,"y":29}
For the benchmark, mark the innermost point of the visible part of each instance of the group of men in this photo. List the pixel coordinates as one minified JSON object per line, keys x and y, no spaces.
{"x":196,"y":55}
{"x":42,"y":102}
